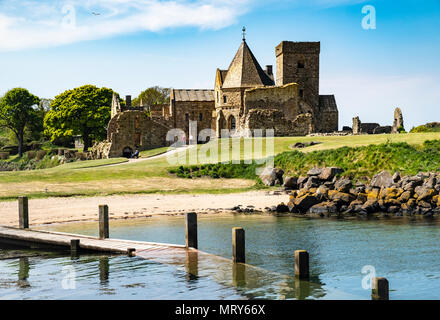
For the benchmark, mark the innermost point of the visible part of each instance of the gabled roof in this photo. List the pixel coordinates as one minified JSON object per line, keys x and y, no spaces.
{"x":245,"y":71}
{"x":192,"y":95}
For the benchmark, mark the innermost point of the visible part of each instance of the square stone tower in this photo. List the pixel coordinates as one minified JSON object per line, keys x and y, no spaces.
{"x":299,"y":62}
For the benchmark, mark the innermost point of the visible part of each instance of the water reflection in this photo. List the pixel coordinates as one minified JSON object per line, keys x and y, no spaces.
{"x":23,"y":272}
{"x":104,"y":270}
{"x":192,"y":265}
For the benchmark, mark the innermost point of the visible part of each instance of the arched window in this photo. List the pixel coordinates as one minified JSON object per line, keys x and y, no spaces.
{"x":301,"y":64}
{"x":232,"y":123}
{"x":225,"y":99}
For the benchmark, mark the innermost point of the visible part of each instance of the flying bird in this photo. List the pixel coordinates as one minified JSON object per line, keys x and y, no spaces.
{"x":96,"y":13}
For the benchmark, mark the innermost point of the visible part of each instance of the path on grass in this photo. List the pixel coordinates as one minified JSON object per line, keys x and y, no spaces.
{"x":165,"y":154}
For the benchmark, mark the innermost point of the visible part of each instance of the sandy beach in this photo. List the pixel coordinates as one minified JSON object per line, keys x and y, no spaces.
{"x":57,"y":210}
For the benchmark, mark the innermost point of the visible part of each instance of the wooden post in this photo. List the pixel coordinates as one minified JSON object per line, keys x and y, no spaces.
{"x":302,"y":264}
{"x":103,"y":222}
{"x":191,"y":230}
{"x":74,"y":245}
{"x":131,"y":252}
{"x":23,"y":213}
{"x":379,"y":289}
{"x":238,"y":245}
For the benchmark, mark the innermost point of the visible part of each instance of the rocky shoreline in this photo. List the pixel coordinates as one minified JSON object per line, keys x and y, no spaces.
{"x":326,"y":193}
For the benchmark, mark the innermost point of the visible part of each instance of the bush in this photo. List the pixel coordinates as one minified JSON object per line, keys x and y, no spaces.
{"x":365,"y":161}
{"x":216,"y":171}
{"x":429,"y":127}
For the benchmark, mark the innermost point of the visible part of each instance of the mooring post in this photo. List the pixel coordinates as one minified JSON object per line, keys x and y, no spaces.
{"x":238,"y":245}
{"x":131,"y":252}
{"x":191,"y":230}
{"x":23,"y":213}
{"x":379,"y":289}
{"x":103,"y":222}
{"x":302,"y":264}
{"x":74,"y":245}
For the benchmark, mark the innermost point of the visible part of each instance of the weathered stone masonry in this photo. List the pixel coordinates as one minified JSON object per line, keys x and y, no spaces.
{"x":245,"y":97}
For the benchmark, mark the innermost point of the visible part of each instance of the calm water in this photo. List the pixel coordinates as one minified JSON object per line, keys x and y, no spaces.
{"x":407,"y":253}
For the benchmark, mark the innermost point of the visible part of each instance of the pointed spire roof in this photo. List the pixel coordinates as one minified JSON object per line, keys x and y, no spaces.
{"x":245,"y":71}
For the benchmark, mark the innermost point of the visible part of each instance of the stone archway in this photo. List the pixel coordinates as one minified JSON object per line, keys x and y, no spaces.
{"x":127,"y":152}
{"x":221,"y":123}
{"x":232,"y":123}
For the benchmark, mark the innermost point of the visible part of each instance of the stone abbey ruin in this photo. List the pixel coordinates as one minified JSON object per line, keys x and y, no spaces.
{"x":245,"y":97}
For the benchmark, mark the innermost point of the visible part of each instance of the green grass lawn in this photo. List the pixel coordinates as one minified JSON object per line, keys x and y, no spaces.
{"x":153,"y":176}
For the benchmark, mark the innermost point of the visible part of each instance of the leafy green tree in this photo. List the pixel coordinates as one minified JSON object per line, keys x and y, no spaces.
{"x":152,"y":96}
{"x":17,"y":110}
{"x":81,"y":111}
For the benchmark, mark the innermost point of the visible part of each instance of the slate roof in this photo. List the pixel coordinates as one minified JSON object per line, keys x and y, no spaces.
{"x":245,"y":71}
{"x":192,"y":95}
{"x":327,"y":103}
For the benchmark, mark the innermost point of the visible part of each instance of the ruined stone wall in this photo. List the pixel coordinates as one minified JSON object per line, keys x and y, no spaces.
{"x":274,"y":119}
{"x":398,"y":121}
{"x":200,"y":111}
{"x":327,"y":121}
{"x":298,"y":62}
{"x":135,"y":130}
{"x":159,"y":110}
{"x":282,"y":98}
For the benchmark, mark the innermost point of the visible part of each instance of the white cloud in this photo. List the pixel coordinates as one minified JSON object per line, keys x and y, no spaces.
{"x":36,"y":23}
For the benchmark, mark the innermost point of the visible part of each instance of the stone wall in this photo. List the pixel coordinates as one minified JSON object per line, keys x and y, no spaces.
{"x":298,"y":62}
{"x":133,"y":130}
{"x":283,"y":98}
{"x":398,"y":121}
{"x":274,"y":119}
{"x":200,"y":111}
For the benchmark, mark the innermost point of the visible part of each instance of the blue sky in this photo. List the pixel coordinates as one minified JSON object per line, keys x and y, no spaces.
{"x":50,"y":46}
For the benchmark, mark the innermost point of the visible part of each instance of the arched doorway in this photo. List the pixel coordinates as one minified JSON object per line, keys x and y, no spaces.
{"x":232,"y":124}
{"x":221,"y":123}
{"x":127,"y":152}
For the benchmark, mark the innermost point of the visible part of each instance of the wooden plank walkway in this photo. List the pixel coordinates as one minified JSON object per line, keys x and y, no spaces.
{"x":35,"y":238}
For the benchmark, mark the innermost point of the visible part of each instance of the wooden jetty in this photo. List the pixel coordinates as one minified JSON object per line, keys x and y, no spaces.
{"x":229,"y":272}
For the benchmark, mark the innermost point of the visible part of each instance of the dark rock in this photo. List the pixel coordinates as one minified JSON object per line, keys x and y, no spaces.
{"x":343,"y":185}
{"x":272,"y":176}
{"x":290,"y":183}
{"x":304,"y":203}
{"x":324,"y":208}
{"x":329,"y":173}
{"x":393,"y":209}
{"x":396,"y":177}
{"x":425,"y":193}
{"x":312,"y":182}
{"x":371,"y":206}
{"x":329,"y":184}
{"x":314,"y":172}
{"x":424,"y":204}
{"x":341,"y":196}
{"x":430,"y":182}
{"x":282,"y":208}
{"x":382,"y":179}
{"x":301,"y":181}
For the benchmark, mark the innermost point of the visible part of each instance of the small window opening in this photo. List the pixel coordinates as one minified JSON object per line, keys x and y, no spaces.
{"x":301,"y":64}
{"x":225,"y":99}
{"x":201,"y":117}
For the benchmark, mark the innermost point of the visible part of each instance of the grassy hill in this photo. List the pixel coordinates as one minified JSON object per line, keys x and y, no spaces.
{"x":152,"y":176}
